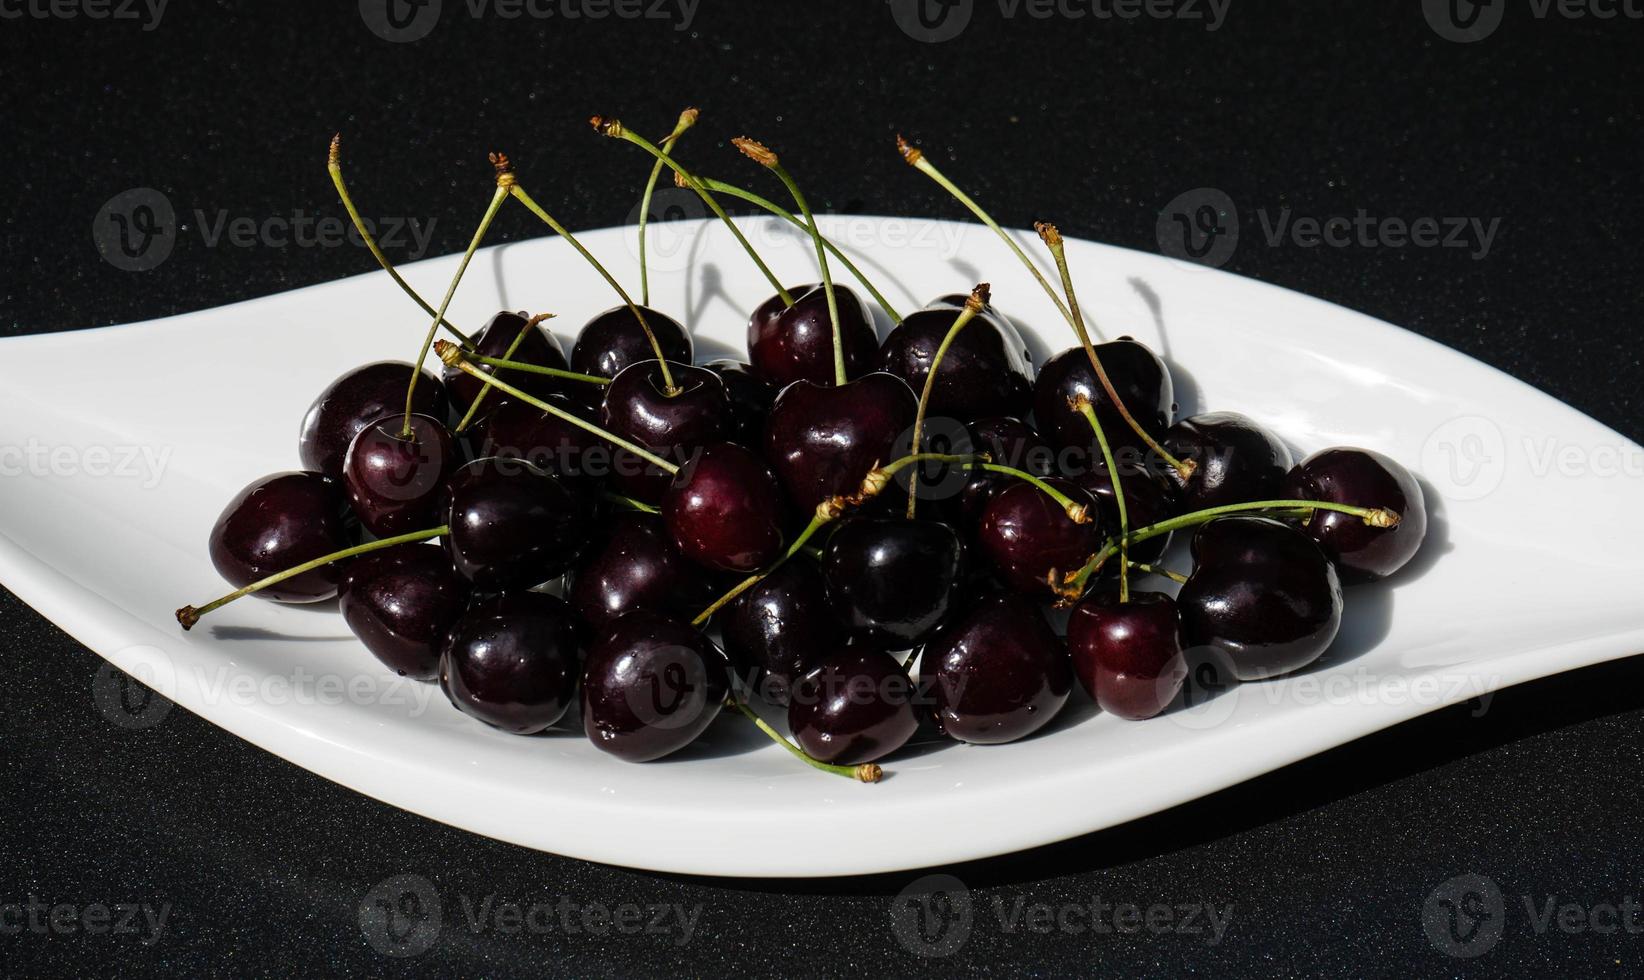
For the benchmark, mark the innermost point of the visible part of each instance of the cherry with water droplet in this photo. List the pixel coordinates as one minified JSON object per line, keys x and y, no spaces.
{"x":355,"y":400}
{"x":1362,"y":553}
{"x":279,"y":522}
{"x":998,"y":672}
{"x":402,"y":602}
{"x":651,"y":685}
{"x":513,"y":661}
{"x":396,"y":483}
{"x":1127,"y":655}
{"x":794,"y":343}
{"x":856,"y":706}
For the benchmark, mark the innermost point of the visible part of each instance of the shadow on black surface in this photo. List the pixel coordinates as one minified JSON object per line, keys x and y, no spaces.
{"x":1445,"y":736}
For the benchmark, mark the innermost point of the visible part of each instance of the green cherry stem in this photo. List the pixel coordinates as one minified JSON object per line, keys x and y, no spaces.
{"x":827,"y":512}
{"x":915,"y":158}
{"x":732,"y":190}
{"x":189,"y":615}
{"x":683,"y":178}
{"x":1373,"y":516}
{"x":1141,"y":566}
{"x":629,"y":503}
{"x":1082,"y":405}
{"x":503,"y":362}
{"x":866,"y":772}
{"x":513,"y":345}
{"x":1078,"y":513}
{"x":1053,"y":240}
{"x":760,"y":154}
{"x":668,"y":386}
{"x":687,"y":119}
{"x":978,"y":299}
{"x":453,"y":356}
{"x":334,"y":165}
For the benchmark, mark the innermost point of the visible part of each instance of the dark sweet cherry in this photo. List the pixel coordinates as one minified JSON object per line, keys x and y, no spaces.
{"x":751,"y":399}
{"x":1149,"y":499}
{"x":725,"y":509}
{"x":637,"y":408}
{"x":1138,"y":375}
{"x":514,"y":661}
{"x":1007,"y":441}
{"x":987,"y":370}
{"x":513,"y":525}
{"x":651,"y":685}
{"x":1127,"y":655}
{"x":613,"y":340}
{"x":822,"y":440}
{"x":638,"y":567}
{"x":402,"y":602}
{"x":354,"y":401}
{"x":781,"y":628}
{"x":1029,"y":536}
{"x":1235,"y":459}
{"x":520,"y":431}
{"x":998,"y":672}
{"x":1362,"y":553}
{"x":539,"y":347}
{"x":278,"y":522}
{"x":1262,"y":594}
{"x":893,"y":580}
{"x":396,"y":483}
{"x":794,"y":343}
{"x":857,"y":706}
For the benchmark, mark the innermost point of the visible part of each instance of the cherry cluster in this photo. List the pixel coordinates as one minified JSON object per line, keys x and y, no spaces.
{"x":628,"y":540}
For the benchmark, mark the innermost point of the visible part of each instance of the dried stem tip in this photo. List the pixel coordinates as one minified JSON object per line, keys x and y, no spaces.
{"x":1078,"y":402}
{"x":448,"y":352}
{"x":868,"y":772}
{"x":333,"y":159}
{"x":830,"y":509}
{"x":606,"y":127}
{"x":689,"y":116}
{"x":910,"y":153}
{"x":1382,"y":517}
{"x":1048,"y":234}
{"x":505,"y":169}
{"x":680,"y":181}
{"x":755,"y":151}
{"x":980,"y":297}
{"x":538,"y":319}
{"x":874,"y":482}
{"x":1078,"y":513}
{"x":187,"y":617}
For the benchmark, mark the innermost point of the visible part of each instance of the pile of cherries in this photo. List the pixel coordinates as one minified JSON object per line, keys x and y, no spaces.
{"x":629,"y":541}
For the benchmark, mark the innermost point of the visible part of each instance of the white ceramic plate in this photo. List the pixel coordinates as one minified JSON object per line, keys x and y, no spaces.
{"x":1534,"y":565}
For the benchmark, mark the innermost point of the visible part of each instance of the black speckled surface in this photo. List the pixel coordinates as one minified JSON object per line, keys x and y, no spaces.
{"x":1325,"y":108}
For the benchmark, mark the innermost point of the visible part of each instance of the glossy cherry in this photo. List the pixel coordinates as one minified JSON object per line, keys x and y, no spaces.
{"x":517,"y":430}
{"x":893,"y":580}
{"x":395,"y":483}
{"x":613,"y":340}
{"x":354,"y":401}
{"x":781,"y":628}
{"x":539,"y":347}
{"x":1030,"y":538}
{"x":651,"y":685}
{"x":1149,"y":499}
{"x":857,"y":706}
{"x":822,"y":440}
{"x":1262,"y":593}
{"x":1236,"y":460}
{"x":725,"y":509}
{"x":513,"y":525}
{"x":987,"y":370}
{"x":794,"y":343}
{"x":1138,"y":375}
{"x":277,"y":522}
{"x":1128,"y":656}
{"x":1009,"y":442}
{"x":672,"y":426}
{"x":638,"y":567}
{"x":514,"y":661}
{"x":998,"y":672}
{"x":402,"y":602}
{"x":1364,"y":479}
{"x":751,"y":399}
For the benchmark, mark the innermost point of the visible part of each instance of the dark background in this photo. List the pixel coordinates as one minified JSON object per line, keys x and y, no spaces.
{"x":1326,"y":108}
